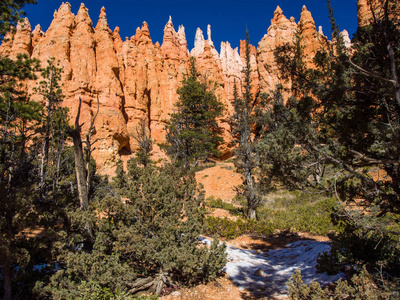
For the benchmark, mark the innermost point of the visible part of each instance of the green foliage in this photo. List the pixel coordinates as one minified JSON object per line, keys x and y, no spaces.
{"x":144,"y":297}
{"x":363,"y":245}
{"x":93,"y":291}
{"x":119,"y":181}
{"x":145,"y":242}
{"x":284,"y":155}
{"x":218,"y":203}
{"x":10,"y":13}
{"x":192,"y":132}
{"x":229,"y":229}
{"x":52,"y":130}
{"x":19,"y":205}
{"x":340,"y":125}
{"x":203,"y":166}
{"x":300,"y":212}
{"x":361,"y":286}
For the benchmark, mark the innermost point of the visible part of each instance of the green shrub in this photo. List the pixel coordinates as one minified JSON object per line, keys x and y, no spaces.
{"x":300,"y":212}
{"x":375,"y":247}
{"x":203,"y":166}
{"x":144,"y":244}
{"x":361,"y":286}
{"x":229,"y":229}
{"x":219,"y":203}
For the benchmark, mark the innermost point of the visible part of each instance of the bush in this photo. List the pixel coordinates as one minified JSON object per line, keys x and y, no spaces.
{"x":228,"y":229}
{"x":147,"y":242}
{"x":300,"y":212}
{"x":219,"y":203}
{"x":375,"y":247}
{"x":361,"y":286}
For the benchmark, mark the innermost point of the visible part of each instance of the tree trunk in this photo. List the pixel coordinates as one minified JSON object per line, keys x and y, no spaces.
{"x":80,"y":169}
{"x":7,"y":276}
{"x":251,"y":213}
{"x":46,"y":141}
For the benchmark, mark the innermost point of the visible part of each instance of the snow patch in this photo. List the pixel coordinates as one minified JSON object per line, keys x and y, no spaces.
{"x":277,"y":267}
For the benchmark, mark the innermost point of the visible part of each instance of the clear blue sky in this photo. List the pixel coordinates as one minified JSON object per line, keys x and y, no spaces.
{"x":228,"y":18}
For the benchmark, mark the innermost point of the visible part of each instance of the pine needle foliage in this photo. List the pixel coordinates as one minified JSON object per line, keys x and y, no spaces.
{"x":192,"y":133}
{"x":147,"y":241}
{"x":339,"y":132}
{"x":10,"y":13}
{"x":247,"y":110}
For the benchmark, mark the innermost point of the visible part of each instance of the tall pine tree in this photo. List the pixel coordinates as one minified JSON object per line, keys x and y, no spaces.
{"x":193,"y":134}
{"x":243,"y":120}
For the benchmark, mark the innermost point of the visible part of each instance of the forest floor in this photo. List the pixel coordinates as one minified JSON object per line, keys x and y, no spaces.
{"x":277,"y":255}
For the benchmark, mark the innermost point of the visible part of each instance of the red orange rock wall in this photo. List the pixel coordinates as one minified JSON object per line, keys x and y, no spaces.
{"x":136,"y":79}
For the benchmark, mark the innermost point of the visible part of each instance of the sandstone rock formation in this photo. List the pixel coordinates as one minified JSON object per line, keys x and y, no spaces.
{"x":283,"y":31}
{"x":367,"y":10}
{"x":137,"y":80}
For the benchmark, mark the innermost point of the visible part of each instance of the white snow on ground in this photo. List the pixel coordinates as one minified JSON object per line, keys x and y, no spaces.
{"x":277,"y":266}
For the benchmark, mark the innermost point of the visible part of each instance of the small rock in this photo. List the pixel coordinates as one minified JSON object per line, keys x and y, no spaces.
{"x":260,"y":273}
{"x":176,"y":293}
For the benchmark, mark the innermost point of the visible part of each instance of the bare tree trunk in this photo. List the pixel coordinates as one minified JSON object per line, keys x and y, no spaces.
{"x":88,"y":149}
{"x":81,"y":166}
{"x":80,"y":169}
{"x":251,"y":213}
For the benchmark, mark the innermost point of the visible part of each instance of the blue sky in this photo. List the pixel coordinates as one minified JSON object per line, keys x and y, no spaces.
{"x":228,"y":19}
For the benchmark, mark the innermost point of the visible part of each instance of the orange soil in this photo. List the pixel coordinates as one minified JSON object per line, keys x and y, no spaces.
{"x":219,"y":181}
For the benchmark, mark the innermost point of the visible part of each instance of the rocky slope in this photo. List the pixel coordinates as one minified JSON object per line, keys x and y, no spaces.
{"x":136,"y":79}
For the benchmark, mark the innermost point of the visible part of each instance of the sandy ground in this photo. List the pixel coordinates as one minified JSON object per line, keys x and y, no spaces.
{"x":219,"y":181}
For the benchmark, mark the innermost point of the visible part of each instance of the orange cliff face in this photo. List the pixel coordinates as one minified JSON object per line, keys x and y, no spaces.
{"x":283,"y":31}
{"x":367,"y":10}
{"x":137,"y":80}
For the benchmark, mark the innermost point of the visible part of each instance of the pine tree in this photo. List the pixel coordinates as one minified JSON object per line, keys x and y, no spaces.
{"x":17,"y":114}
{"x":144,"y":243}
{"x":54,"y":126}
{"x":145,"y":142}
{"x":192,"y":132}
{"x":10,"y":13}
{"x":244,"y":117}
{"x":345,"y":120}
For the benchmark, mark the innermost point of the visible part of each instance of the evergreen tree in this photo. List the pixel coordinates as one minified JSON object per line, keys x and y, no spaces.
{"x":53,"y":130}
{"x":10,"y":13}
{"x":344,"y":125}
{"x":145,"y":142}
{"x":192,"y":132}
{"x":144,"y":243}
{"x":18,"y":115}
{"x":246,"y":113}
{"x":34,"y":185}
